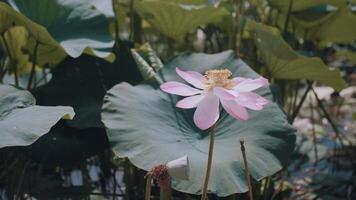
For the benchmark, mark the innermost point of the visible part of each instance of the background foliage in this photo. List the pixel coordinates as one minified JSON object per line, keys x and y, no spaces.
{"x":60,"y":57}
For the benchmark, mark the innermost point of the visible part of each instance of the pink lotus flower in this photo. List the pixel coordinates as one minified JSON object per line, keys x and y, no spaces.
{"x":216,"y":86}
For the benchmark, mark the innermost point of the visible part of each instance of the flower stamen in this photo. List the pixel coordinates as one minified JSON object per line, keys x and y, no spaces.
{"x":218,"y":78}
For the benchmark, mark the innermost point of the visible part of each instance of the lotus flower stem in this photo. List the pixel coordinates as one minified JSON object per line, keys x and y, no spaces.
{"x":148,"y":187}
{"x":21,"y":178}
{"x":116,"y":23}
{"x":11,"y":60}
{"x":313,"y":131}
{"x":33,"y":68}
{"x":246,"y":169}
{"x":165,"y":193}
{"x":210,"y":159}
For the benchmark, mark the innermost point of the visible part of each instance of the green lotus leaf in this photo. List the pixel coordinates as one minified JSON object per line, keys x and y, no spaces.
{"x":336,"y":27}
{"x":299,"y":5}
{"x":144,"y":125}
{"x":48,"y":52}
{"x":285,"y":63}
{"x":76,"y":25}
{"x":175,"y":20}
{"x":320,"y":23}
{"x":21,"y":121}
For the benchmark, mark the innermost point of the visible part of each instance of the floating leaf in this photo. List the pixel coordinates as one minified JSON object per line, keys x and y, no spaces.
{"x":175,"y":20}
{"x":21,"y":121}
{"x":144,"y":125}
{"x":285,"y":63}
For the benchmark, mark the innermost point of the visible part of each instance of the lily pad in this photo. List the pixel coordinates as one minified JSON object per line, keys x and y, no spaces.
{"x":21,"y":121}
{"x":144,"y":125}
{"x":285,"y":63}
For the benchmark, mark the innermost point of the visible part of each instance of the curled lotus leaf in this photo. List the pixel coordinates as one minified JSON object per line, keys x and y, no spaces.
{"x":70,"y":25}
{"x":21,"y":121}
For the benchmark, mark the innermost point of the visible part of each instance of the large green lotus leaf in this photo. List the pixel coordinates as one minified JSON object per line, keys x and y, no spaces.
{"x":48,"y":52}
{"x":144,"y":125}
{"x":175,"y":20}
{"x":78,"y":26}
{"x":285,"y":63}
{"x":336,"y":27}
{"x":299,"y":5}
{"x":21,"y":122}
{"x":322,"y":25}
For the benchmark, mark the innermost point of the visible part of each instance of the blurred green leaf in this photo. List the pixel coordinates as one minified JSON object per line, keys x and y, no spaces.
{"x":285,"y":63}
{"x":144,"y":125}
{"x":347,"y":55}
{"x":337,"y":27}
{"x":13,"y":42}
{"x":299,"y":5}
{"x":175,"y":20}
{"x":21,"y":121}
{"x":187,"y":2}
{"x":316,"y":22}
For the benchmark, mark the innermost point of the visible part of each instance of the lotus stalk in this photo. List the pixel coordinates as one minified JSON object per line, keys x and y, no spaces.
{"x":148,"y":187}
{"x":210,"y":160}
{"x":247,"y":173}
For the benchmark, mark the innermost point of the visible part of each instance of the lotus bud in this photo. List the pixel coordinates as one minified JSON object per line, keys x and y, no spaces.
{"x":179,"y":168}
